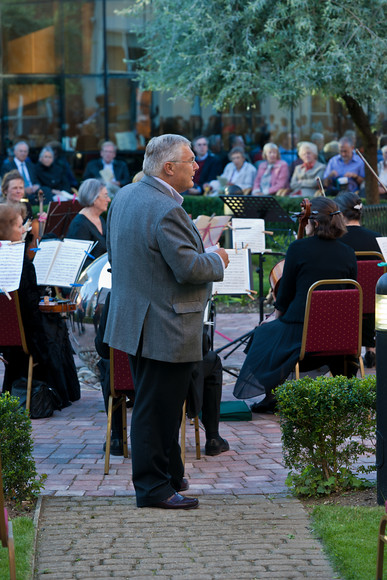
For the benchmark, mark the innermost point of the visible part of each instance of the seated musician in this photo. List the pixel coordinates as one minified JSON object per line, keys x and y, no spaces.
{"x":13,"y":193}
{"x":204,"y":395}
{"x":361,"y":240}
{"x":89,"y":223}
{"x":274,"y":348}
{"x":46,"y":334}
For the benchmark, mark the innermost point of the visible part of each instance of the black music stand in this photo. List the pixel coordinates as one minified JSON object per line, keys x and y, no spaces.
{"x":60,"y":215}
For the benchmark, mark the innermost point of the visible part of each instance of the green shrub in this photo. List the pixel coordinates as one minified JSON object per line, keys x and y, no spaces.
{"x":20,"y":478}
{"x":326,"y":425}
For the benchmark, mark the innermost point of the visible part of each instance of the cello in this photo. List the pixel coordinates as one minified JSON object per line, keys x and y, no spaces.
{"x":276,"y":272}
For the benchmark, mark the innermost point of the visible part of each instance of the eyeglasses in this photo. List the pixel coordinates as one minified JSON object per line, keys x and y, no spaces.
{"x":192,"y":161}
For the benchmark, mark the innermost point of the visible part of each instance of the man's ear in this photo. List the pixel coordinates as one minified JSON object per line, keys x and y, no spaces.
{"x":168,"y":168}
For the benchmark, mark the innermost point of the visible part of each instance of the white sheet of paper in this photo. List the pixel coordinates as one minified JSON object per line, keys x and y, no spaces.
{"x":383,"y":246}
{"x":11,"y":265}
{"x":238,"y":277}
{"x":211,"y":228}
{"x":59,"y":265}
{"x":248,"y":231}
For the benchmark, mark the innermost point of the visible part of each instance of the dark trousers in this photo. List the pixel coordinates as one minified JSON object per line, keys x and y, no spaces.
{"x":161,"y":389}
{"x":212,"y":393}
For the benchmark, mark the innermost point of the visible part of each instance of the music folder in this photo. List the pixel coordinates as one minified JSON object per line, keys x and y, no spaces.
{"x":58,"y":263}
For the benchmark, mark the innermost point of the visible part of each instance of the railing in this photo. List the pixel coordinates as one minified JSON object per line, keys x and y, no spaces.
{"x":375,"y":218}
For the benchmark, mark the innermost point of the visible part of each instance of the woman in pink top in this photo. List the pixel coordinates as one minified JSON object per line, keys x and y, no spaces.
{"x":273,"y":174}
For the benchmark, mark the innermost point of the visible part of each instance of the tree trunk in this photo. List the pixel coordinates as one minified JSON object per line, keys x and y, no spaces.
{"x":370,"y":144}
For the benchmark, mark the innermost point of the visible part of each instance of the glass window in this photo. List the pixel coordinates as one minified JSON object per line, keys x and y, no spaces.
{"x":83,"y":37}
{"x":121,"y":39}
{"x":33,"y":111}
{"x":29,"y":38}
{"x":84,"y":110}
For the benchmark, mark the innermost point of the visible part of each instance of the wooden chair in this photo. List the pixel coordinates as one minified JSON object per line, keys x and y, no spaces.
{"x":121,"y":386}
{"x":333,"y":321}
{"x":183,"y":432}
{"x":12,"y":333}
{"x":368,"y":273}
{"x":382,"y":539}
{"x":6,"y":532}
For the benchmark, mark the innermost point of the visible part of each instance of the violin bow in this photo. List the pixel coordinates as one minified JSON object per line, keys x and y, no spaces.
{"x":370,"y":168}
{"x":321,"y":186}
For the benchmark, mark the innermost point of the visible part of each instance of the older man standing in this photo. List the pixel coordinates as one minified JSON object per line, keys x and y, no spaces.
{"x":161,"y":281}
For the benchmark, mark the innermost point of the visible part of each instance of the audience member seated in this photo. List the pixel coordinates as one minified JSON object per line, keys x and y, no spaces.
{"x":89,"y":223}
{"x":25,"y":167}
{"x":330,"y":150}
{"x":303,"y":181}
{"x":382,"y":170}
{"x":346,"y":168}
{"x":52,"y":177}
{"x":273,"y":173}
{"x":238,"y":172}
{"x":318,"y":140}
{"x":361,"y":240}
{"x":209,"y":166}
{"x":61,"y":159}
{"x":275,"y":346}
{"x":204,"y":395}
{"x":46,"y":334}
{"x":115,"y":174}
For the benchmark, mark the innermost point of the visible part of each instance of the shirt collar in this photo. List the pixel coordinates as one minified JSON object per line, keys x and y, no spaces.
{"x":177,"y":197}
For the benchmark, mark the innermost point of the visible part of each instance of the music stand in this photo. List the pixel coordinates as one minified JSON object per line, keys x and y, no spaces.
{"x":60,"y":215}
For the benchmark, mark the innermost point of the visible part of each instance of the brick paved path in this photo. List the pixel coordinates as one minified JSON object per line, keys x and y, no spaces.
{"x":232,"y":537}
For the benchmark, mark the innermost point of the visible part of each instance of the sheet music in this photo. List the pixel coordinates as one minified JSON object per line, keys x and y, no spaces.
{"x":249,"y":231}
{"x":383,"y":246}
{"x":60,"y":266}
{"x":11,"y":265}
{"x":211,"y":228}
{"x":238,"y":278}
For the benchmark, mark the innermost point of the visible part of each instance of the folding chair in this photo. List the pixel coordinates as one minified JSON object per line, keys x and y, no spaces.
{"x":6,"y":532}
{"x":121,"y":386}
{"x":12,"y":333}
{"x":382,"y":539}
{"x":183,"y":431}
{"x":368,"y":273}
{"x":333,"y":321}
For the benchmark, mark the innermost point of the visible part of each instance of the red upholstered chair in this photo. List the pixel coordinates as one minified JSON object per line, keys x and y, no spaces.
{"x":368,"y":273}
{"x":12,"y":333}
{"x":333,"y":321}
{"x":121,"y":386}
{"x":6,"y":532}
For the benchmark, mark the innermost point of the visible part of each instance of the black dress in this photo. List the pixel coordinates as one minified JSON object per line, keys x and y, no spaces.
{"x":275,"y":346}
{"x":81,"y":228}
{"x":364,"y":240}
{"x":52,"y":177}
{"x":48,"y":342}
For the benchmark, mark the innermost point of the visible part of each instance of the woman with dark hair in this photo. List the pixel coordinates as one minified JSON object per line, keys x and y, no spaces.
{"x":274,"y":348}
{"x":89,"y":223}
{"x":46,"y":334}
{"x":361,"y":240}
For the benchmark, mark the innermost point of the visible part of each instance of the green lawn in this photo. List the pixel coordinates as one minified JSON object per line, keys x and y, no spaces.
{"x":349,"y":536}
{"x":23,"y":531}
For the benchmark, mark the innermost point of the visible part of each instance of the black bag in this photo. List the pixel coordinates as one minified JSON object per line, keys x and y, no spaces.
{"x":44,"y":399}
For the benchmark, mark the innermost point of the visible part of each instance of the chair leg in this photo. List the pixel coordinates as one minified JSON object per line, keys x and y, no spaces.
{"x":197,"y":437}
{"x":381,"y":541}
{"x":124,"y":426}
{"x":108,"y":434}
{"x":29,"y":382}
{"x":182,"y":433}
{"x":361,"y":365}
{"x":297,"y":369}
{"x":11,"y":552}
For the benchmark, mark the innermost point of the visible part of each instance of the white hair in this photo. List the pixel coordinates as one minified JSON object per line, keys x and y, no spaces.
{"x":160,"y":150}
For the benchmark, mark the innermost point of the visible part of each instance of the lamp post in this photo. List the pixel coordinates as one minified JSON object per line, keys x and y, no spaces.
{"x":381,"y":387}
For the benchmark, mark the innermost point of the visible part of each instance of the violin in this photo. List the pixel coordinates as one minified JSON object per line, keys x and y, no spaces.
{"x":276,"y":272}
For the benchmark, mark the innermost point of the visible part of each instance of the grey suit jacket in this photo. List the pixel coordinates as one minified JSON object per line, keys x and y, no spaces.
{"x":161,"y":277}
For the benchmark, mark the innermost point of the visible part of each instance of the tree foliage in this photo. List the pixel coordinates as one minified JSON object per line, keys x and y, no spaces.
{"x":229,"y":51}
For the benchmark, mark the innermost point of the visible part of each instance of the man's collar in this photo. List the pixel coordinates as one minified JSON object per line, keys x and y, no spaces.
{"x":202,"y":158}
{"x":177,"y":197}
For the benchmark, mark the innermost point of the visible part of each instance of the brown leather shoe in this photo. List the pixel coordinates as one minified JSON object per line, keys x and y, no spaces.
{"x":177,"y":502}
{"x":183,"y":485}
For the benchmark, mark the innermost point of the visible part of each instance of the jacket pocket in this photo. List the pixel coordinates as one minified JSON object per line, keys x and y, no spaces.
{"x":187,"y":307}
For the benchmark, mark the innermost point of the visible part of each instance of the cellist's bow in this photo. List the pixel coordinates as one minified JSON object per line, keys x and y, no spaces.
{"x":321,"y":186}
{"x":372,"y":171}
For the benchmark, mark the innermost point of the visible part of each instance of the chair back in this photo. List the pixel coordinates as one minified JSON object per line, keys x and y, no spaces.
{"x":120,"y":375}
{"x":368,"y":273}
{"x":333,"y":319}
{"x":12,"y":331}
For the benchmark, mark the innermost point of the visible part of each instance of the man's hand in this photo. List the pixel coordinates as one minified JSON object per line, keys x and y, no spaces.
{"x":223,"y":254}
